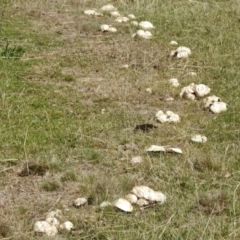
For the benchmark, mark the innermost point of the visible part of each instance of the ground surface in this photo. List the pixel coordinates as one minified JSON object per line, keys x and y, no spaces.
{"x":69,"y":109}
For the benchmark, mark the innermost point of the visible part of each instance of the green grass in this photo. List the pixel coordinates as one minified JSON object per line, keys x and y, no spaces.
{"x":58,"y":72}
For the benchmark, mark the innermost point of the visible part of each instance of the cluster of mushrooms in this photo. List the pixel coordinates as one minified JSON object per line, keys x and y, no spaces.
{"x":144,"y":26}
{"x":141,"y":196}
{"x":52,"y":224}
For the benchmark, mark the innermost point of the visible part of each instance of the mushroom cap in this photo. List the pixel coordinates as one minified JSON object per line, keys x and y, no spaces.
{"x":123,"y":205}
{"x":66,"y":225}
{"x":132,"y":198}
{"x":199,"y":139}
{"x":218,"y":107}
{"x":145,"y":192}
{"x":156,"y":148}
{"x":108,"y":8}
{"x":201,"y":90}
{"x":146,"y":25}
{"x":79,"y":202}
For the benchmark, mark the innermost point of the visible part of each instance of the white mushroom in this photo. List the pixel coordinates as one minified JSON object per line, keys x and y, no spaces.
{"x":192,"y":74}
{"x":142,"y":202}
{"x":184,"y":49}
{"x":156,"y":148}
{"x":146,"y":25}
{"x":66,"y":226}
{"x":149,"y":90}
{"x":45,"y":227}
{"x":181,"y":52}
{"x":218,"y":107}
{"x":92,"y":12}
{"x":201,"y":90}
{"x":142,"y":34}
{"x":115,"y":14}
{"x":160,"y":197}
{"x":107,"y":28}
{"x":57,"y":213}
{"x":210,"y":100}
{"x":173,"y":43}
{"x":121,"y":19}
{"x":137,"y":159}
{"x":168,"y":117}
{"x":144,"y":192}
{"x":132,"y":198}
{"x":149,"y":194}
{"x":134,"y":23}
{"x":52,"y":221}
{"x":105,"y":204}
{"x":79,"y":202}
{"x":174,"y":150}
{"x":161,"y":117}
{"x":108,"y":8}
{"x":131,"y":16}
{"x":174,"y":82}
{"x":182,"y":55}
{"x":188,"y":92}
{"x":123,"y":205}
{"x":199,"y":139}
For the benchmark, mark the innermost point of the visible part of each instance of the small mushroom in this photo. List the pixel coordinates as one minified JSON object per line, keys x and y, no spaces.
{"x":210,"y":100}
{"x":174,"y":82}
{"x":115,"y":14}
{"x":79,"y":202}
{"x":136,"y":160}
{"x":132,"y":198}
{"x":121,"y":19}
{"x":149,"y":194}
{"x":92,"y":12}
{"x":134,"y":23}
{"x":105,"y":204}
{"x":146,"y":25}
{"x":173,"y":43}
{"x":199,"y":139}
{"x":131,"y":16}
{"x":123,"y":205}
{"x":218,"y":107}
{"x":66,"y":226}
{"x":181,"y":52}
{"x":108,"y":8}
{"x":143,"y":34}
{"x":160,"y":197}
{"x":156,"y":148}
{"x":52,"y":221}
{"x":142,"y":202}
{"x":174,"y":150}
{"x":201,"y":90}
{"x":45,"y":227}
{"x":57,"y":213}
{"x":168,"y":117}
{"x":107,"y":28}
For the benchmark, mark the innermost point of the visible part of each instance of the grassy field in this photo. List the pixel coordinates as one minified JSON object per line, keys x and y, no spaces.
{"x":68,"y":108}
